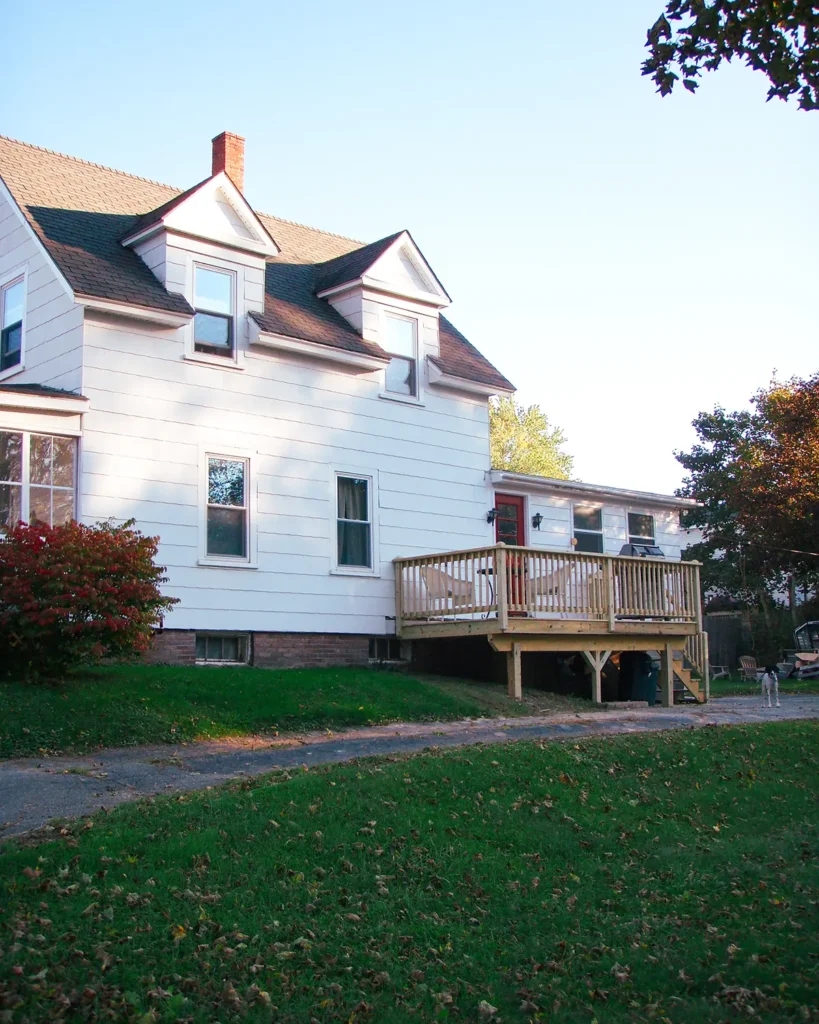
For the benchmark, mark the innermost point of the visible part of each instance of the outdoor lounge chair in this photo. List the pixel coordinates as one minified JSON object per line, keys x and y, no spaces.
{"x":446,"y":592}
{"x":749,"y":668}
{"x":557,"y":591}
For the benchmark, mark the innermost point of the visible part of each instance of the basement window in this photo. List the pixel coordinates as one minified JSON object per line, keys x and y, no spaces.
{"x":222,"y":648}
{"x":385,"y":648}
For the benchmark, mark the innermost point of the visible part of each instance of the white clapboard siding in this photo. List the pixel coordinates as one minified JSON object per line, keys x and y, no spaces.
{"x":189,"y":404}
{"x":116,"y":467}
{"x":298,"y":423}
{"x":136,"y":488}
{"x":52,"y":329}
{"x":266,"y":586}
{"x":230,"y":619}
{"x":270,"y":376}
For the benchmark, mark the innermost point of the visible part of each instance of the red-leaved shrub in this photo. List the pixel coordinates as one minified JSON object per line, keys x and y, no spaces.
{"x":71,"y":595}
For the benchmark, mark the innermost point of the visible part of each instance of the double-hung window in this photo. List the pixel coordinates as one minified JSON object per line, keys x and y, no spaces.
{"x":401,"y":343}
{"x":354,"y":522}
{"x":37,"y":478}
{"x":640,"y":528}
{"x":12,"y":305}
{"x":588,"y":529}
{"x":227,"y":527}
{"x":213,"y":299}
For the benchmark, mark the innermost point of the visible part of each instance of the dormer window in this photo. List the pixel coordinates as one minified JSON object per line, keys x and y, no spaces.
{"x":401,"y":342}
{"x":213,"y":326}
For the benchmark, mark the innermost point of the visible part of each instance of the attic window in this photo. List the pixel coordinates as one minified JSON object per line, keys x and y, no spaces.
{"x":12,"y":304}
{"x":401,"y":343}
{"x":213,"y":328}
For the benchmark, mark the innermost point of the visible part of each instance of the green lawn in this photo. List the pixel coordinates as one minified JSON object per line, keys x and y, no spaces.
{"x":738,"y":687}
{"x":123,"y":705}
{"x":668,"y":877}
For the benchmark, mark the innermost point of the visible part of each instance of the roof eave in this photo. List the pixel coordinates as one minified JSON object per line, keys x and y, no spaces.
{"x":362,"y":361}
{"x":577,"y":487}
{"x":44,"y":403}
{"x":372,"y":284}
{"x":440,"y":378}
{"x":162,"y":317}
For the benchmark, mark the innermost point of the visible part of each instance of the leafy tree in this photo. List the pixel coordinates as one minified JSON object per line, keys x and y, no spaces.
{"x":778,"y":37}
{"x":71,"y":595}
{"x":755,"y":473}
{"x":522,"y":440}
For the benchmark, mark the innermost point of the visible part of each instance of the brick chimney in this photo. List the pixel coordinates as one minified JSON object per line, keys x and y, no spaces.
{"x":229,"y":156}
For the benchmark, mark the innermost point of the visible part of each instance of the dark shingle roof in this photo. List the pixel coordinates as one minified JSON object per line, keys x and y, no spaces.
{"x":352,"y":265}
{"x":460,"y":358}
{"x":155,"y":216}
{"x":40,"y":389}
{"x":80,"y":211}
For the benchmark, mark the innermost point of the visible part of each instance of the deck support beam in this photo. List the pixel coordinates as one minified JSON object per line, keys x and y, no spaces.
{"x":597,"y":659}
{"x":666,"y":653}
{"x":514,"y":681}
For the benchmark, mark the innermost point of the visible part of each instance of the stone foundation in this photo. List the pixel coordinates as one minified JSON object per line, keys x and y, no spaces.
{"x":269,"y":650}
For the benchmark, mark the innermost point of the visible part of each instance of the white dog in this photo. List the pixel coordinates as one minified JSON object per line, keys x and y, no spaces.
{"x":770,"y":681}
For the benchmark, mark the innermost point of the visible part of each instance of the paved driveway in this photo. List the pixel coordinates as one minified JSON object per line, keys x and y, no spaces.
{"x":35,"y":791}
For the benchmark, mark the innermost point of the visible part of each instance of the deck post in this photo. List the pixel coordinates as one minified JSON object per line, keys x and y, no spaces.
{"x":596,"y":660}
{"x":697,"y":597}
{"x":502,"y":585}
{"x":513,"y":675}
{"x":608,"y":576}
{"x":399,"y":602}
{"x":667,"y":675}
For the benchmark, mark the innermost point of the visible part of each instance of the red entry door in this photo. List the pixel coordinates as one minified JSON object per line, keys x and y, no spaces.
{"x":509,"y":523}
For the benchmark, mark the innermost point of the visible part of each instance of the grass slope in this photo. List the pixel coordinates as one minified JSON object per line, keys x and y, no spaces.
{"x":669,"y":877}
{"x":124,"y":705}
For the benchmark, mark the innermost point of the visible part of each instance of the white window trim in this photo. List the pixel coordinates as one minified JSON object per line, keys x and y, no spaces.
{"x":25,"y":496}
{"x":20,"y":273}
{"x":237,"y":360}
{"x":629,"y":534}
{"x":601,"y":532}
{"x":391,"y":396}
{"x":226,"y":561}
{"x":370,"y":475}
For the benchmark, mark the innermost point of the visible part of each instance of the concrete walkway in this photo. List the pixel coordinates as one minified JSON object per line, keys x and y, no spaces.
{"x":35,"y":791}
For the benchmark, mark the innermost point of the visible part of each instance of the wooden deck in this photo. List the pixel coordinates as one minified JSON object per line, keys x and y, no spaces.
{"x":527,"y":599}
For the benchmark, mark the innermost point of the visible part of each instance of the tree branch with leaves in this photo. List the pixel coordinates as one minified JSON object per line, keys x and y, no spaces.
{"x":522,"y":440}
{"x":755,"y":475}
{"x":778,"y":37}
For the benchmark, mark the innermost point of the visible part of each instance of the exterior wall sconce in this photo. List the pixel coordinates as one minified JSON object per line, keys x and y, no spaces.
{"x":537,"y":519}
{"x":492,"y":515}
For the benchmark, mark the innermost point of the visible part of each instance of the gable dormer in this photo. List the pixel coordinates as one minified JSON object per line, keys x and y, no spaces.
{"x":392,"y":297}
{"x":209,"y":246}
{"x":214,"y":211}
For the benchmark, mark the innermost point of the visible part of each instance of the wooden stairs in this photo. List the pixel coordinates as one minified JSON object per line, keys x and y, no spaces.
{"x":694,"y":686}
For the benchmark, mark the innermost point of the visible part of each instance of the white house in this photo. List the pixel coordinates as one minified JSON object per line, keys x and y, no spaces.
{"x":289,"y":411}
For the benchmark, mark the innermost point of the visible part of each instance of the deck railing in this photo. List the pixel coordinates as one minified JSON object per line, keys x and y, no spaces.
{"x":502,"y":581}
{"x":696,"y":650}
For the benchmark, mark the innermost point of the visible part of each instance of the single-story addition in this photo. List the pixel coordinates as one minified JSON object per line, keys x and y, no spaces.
{"x":294,"y":417}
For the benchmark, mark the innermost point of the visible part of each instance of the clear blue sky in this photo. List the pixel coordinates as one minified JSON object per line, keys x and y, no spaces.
{"x":625,"y":260}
